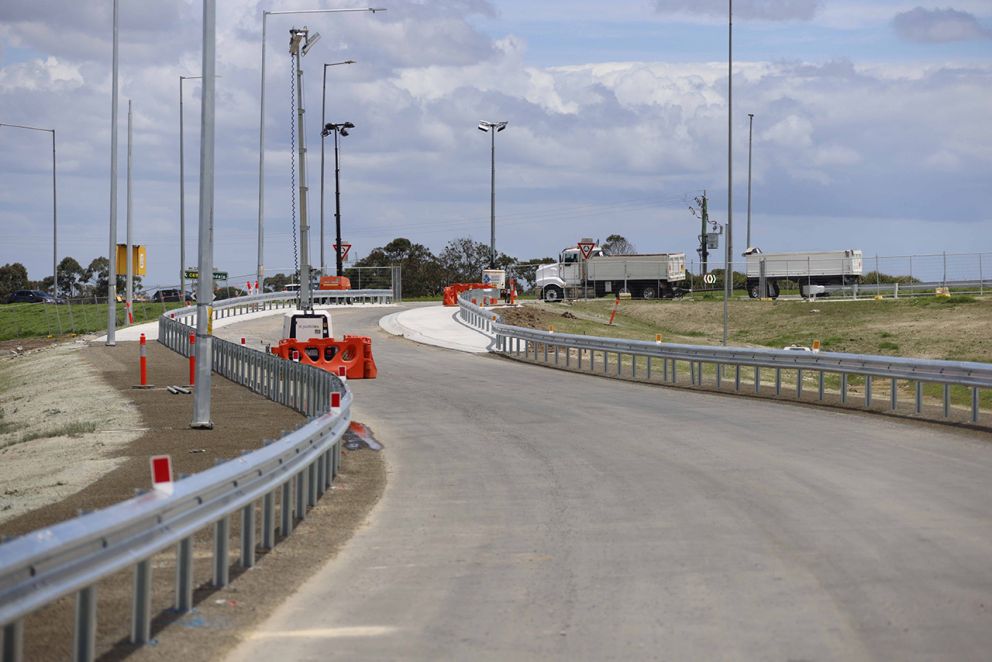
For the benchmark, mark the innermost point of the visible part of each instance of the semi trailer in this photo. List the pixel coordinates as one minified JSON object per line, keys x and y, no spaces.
{"x":811,"y":271}
{"x":646,"y":276}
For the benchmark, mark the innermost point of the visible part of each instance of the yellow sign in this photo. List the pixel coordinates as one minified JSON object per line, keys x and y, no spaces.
{"x":210,"y":320}
{"x":138,"y":256}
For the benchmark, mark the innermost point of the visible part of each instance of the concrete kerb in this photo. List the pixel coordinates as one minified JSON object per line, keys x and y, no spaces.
{"x":436,"y":326}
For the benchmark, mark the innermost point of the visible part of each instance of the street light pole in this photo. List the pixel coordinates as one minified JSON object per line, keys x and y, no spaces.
{"x":129,"y":268}
{"x":55,"y":218}
{"x":205,"y":288}
{"x":728,"y":273}
{"x":342,"y":129}
{"x":112,"y":250}
{"x":493,"y":128}
{"x":750,"y":127}
{"x":323,"y":122}
{"x":260,"y":273}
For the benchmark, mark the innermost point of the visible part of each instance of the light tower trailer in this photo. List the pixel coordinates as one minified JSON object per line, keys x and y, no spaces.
{"x":812,"y":271}
{"x":643,"y":276}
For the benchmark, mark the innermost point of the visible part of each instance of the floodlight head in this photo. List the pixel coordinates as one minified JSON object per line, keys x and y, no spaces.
{"x":310,"y":41}
{"x":483,"y":126}
{"x":295,"y":36}
{"x":344,"y":131}
{"x":348,"y":125}
{"x":500,"y":126}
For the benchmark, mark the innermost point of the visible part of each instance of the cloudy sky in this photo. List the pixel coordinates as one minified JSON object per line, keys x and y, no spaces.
{"x":871,"y":124}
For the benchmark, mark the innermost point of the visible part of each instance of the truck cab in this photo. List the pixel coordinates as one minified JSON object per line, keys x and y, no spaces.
{"x":552,"y":279}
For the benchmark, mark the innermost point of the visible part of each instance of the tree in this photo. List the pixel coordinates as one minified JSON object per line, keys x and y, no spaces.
{"x":617,"y":245}
{"x":228,"y":293}
{"x":70,"y":276}
{"x":464,"y":259}
{"x":277,"y":282}
{"x":97,"y":274}
{"x":13,"y":277}
{"x":422,"y":273}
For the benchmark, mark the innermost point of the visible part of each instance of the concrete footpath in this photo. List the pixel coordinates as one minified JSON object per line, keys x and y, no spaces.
{"x":436,"y":325}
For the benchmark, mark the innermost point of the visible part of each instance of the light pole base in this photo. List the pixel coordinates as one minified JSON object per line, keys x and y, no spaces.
{"x":206,"y":425}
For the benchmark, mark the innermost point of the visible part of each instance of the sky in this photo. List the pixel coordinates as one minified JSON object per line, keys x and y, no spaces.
{"x":871,"y":125}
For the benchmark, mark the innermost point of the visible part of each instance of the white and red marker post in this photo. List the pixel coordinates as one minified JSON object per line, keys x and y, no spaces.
{"x":161,"y":466}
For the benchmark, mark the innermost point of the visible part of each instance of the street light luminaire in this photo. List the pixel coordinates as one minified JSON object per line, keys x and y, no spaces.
{"x":310,"y":41}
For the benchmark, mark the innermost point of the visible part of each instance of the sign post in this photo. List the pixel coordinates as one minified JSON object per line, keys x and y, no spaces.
{"x":585,"y":247}
{"x":343,"y":250}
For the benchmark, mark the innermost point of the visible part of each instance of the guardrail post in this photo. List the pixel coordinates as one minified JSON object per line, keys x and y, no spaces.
{"x":737,"y":377}
{"x":184,"y":575}
{"x":269,"y":520}
{"x":619,"y":364}
{"x":84,"y":637}
{"x":843,"y":388}
{"x":221,"y":532}
{"x":894,"y":395}
{"x":580,"y":359}
{"x":312,"y":484}
{"x":556,"y":354}
{"x":675,"y":377}
{"x":286,"y":508}
{"x":13,"y":641}
{"x":648,"y":367}
{"x":778,"y":381}
{"x":947,"y":400}
{"x":799,"y":384}
{"x":248,"y":536}
{"x":974,"y":404}
{"x":633,"y":366}
{"x":757,"y":379}
{"x":606,"y":362}
{"x":301,"y":495}
{"x":867,"y":391}
{"x":821,"y":385}
{"x":141,"y":609}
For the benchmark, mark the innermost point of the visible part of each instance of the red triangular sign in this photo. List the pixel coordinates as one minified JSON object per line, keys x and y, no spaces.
{"x":343,"y":249}
{"x":586,"y":248}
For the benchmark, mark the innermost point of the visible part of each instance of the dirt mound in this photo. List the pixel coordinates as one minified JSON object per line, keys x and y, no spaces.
{"x":526,"y":316}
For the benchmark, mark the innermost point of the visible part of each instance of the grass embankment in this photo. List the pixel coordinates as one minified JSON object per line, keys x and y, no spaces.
{"x":34,"y":320}
{"x":955,"y":328}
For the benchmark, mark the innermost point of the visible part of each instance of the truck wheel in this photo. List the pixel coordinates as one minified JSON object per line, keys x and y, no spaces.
{"x":773,"y":289}
{"x":753,"y":290}
{"x":648,"y":293}
{"x":553,"y":293}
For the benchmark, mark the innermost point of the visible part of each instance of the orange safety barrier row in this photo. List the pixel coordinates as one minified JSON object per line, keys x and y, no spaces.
{"x":451,"y":292}
{"x":334,"y":283}
{"x":353,"y":353}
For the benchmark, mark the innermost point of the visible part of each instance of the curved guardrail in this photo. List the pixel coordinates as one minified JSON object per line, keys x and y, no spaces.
{"x":72,"y":556}
{"x":564,"y":350}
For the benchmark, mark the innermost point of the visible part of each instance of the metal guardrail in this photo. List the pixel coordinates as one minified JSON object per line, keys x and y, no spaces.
{"x":72,"y":556}
{"x":561,"y":349}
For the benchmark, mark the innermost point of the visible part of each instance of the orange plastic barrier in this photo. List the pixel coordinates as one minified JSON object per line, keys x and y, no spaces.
{"x":334,"y":283}
{"x":353,"y":353}
{"x":451,"y":292}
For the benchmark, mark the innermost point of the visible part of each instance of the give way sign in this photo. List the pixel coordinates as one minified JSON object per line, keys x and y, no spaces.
{"x":586,"y":248}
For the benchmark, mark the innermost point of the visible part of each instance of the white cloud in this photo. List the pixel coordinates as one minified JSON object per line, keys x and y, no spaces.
{"x":832,"y":138}
{"x":939,"y":25}
{"x":771,"y":10}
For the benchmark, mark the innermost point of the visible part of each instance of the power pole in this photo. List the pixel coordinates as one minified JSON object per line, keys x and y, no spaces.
{"x":703,"y":247}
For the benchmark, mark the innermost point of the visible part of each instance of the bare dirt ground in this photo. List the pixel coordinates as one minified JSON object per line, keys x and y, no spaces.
{"x":61,"y":427}
{"x":242,"y":421}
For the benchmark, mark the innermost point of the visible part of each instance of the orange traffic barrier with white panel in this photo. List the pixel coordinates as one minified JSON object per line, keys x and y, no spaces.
{"x":308,"y":338}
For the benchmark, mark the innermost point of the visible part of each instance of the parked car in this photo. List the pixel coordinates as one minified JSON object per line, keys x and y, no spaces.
{"x":172,"y":295}
{"x":33,"y":296}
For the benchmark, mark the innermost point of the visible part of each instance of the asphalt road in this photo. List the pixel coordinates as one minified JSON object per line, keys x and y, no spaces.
{"x":534,"y":514}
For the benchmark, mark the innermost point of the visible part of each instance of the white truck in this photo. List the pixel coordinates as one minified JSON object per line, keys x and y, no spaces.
{"x":643,"y":276}
{"x":812,"y":271}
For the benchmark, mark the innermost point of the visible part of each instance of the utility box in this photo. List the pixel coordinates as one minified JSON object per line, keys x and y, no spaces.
{"x":138,"y":259}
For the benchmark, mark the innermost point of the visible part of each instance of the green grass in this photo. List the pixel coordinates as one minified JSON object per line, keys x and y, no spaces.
{"x":34,"y":320}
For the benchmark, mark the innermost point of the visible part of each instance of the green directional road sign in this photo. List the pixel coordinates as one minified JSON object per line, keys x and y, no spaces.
{"x":193,"y":274}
